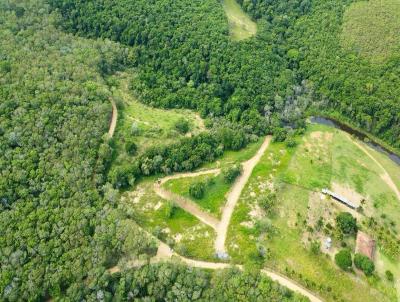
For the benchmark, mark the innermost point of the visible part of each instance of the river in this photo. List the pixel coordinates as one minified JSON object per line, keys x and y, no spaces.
{"x":374,"y":145}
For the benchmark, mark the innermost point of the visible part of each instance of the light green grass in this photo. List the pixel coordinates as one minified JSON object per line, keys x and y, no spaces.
{"x":214,"y":197}
{"x":154,"y":213}
{"x":240,"y":24}
{"x":312,"y":165}
{"x":155,"y":125}
{"x":231,"y":157}
{"x":372,"y":28}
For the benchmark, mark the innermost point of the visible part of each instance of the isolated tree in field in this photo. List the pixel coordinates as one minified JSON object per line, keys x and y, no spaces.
{"x":197,"y":190}
{"x":389,"y":275}
{"x":231,"y":173}
{"x":343,"y":259}
{"x":364,"y":263}
{"x":346,"y":223}
{"x":182,"y":125}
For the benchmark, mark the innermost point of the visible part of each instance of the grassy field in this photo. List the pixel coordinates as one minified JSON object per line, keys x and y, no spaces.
{"x":372,"y":28}
{"x":325,"y":157}
{"x":240,"y":24}
{"x":214,"y":197}
{"x":173,"y":225}
{"x":182,"y":231}
{"x":147,"y":125}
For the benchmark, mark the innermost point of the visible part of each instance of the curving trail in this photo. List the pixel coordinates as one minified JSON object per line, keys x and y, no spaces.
{"x":385,"y":175}
{"x":114,"y":117}
{"x":185,"y":203}
{"x":234,"y":195}
{"x":165,"y":253}
{"x":221,"y":227}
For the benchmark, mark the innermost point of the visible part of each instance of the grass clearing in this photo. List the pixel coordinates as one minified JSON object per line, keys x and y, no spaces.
{"x":324,"y":156}
{"x":214,"y":196}
{"x":372,"y":28}
{"x":240,"y":24}
{"x":181,"y":230}
{"x":146,"y":125}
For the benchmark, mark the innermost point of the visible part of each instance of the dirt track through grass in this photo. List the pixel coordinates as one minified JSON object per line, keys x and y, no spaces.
{"x":114,"y":118}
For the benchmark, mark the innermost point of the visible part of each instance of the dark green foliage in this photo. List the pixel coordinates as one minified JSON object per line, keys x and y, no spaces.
{"x":57,"y":214}
{"x":267,"y":202}
{"x":231,"y":173}
{"x":346,"y":223}
{"x":343,"y":259}
{"x":130,"y":147}
{"x":182,"y":126}
{"x":197,"y":189}
{"x":364,"y":263}
{"x":389,"y":275}
{"x":185,"y":58}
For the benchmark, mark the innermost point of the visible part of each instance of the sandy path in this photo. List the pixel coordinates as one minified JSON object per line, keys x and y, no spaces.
{"x":185,"y":203}
{"x":234,"y":194}
{"x":385,"y":175}
{"x":114,"y":118}
{"x":164,"y":253}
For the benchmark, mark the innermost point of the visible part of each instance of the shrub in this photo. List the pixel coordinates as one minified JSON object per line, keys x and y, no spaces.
{"x":197,"y":190}
{"x":182,"y":125}
{"x":364,"y":263}
{"x":346,"y":223}
{"x":389,"y":276}
{"x":343,"y":259}
{"x":130,"y":147}
{"x":231,"y":173}
{"x":267,"y":203}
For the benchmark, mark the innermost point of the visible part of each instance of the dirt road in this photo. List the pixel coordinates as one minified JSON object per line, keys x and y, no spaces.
{"x":234,"y":195}
{"x":114,"y":119}
{"x":221,"y":227}
{"x":385,"y":175}
{"x":164,"y":253}
{"x":185,"y":203}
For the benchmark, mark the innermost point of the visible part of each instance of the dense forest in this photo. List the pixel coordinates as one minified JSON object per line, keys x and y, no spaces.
{"x":60,"y":226}
{"x":192,"y":63}
{"x":363,"y":91}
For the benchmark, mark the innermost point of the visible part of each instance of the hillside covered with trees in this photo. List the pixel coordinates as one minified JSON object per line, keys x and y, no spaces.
{"x":61,"y":227}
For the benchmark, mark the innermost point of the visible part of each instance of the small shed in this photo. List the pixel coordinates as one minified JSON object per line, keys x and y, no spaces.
{"x":328,"y":243}
{"x":365,"y":245}
{"x":340,"y":198}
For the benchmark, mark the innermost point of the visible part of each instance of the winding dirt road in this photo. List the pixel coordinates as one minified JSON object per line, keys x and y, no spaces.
{"x":164,"y":253}
{"x":221,"y":227}
{"x":185,"y":203}
{"x":114,"y":118}
{"x":234,"y":195}
{"x":385,"y":175}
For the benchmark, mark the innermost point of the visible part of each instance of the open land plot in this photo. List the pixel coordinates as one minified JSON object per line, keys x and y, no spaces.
{"x":285,"y":236}
{"x":145,"y":125}
{"x":214,"y":196}
{"x":171,"y":224}
{"x":240,"y":24}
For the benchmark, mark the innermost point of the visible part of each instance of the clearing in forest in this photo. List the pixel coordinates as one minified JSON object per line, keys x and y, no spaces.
{"x":282,"y":219}
{"x":372,"y":28}
{"x":240,"y":24}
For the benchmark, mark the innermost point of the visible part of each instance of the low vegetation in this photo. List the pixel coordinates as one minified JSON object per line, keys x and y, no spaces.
{"x":240,"y":24}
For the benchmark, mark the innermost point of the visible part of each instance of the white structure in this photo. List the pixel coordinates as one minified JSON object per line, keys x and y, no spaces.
{"x":339,"y":198}
{"x":328,"y":243}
